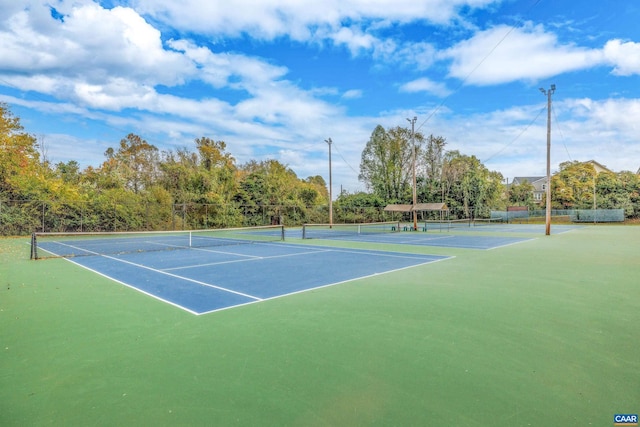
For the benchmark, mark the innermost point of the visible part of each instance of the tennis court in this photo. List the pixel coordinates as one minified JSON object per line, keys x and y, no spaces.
{"x":206,"y":271}
{"x":388,"y":233}
{"x":542,"y":333}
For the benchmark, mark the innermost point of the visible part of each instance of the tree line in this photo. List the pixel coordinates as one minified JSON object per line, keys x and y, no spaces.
{"x":139,"y":187}
{"x":470,"y":189}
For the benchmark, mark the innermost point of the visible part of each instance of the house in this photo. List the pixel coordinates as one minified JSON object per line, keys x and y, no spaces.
{"x":599,"y":167}
{"x":540,"y":182}
{"x":539,"y":185}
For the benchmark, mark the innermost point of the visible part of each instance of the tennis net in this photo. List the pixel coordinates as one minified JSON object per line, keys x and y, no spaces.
{"x":328,"y":231}
{"x":481,"y":222}
{"x":446,"y":225}
{"x":51,"y":245}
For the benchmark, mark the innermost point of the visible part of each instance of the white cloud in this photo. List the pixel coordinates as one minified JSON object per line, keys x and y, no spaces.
{"x":218,"y":69}
{"x":425,"y":85}
{"x":354,"y":39}
{"x":92,"y":42}
{"x":421,"y":55}
{"x":624,"y":56}
{"x":504,"y":54}
{"x":352,"y":94}
{"x":296,"y":19}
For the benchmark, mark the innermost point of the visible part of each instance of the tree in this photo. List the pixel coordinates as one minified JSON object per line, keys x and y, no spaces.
{"x":19,"y":158}
{"x":137,"y":162}
{"x":521,"y":194}
{"x":69,"y":172}
{"x":573,"y":186}
{"x":219,"y":168}
{"x":468,"y":186}
{"x":432,"y":162}
{"x":387,"y":161}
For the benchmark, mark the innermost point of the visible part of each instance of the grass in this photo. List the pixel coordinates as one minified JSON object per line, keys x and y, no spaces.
{"x":541,"y":333}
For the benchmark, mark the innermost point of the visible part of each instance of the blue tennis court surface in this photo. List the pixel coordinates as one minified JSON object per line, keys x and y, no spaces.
{"x":203,"y":280}
{"x":464,"y":241}
{"x":441,"y":240}
{"x":464,"y":236}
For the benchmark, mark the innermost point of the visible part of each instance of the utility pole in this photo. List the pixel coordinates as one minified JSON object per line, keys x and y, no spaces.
{"x":415,"y":193}
{"x":329,"y":141}
{"x":548,"y":93}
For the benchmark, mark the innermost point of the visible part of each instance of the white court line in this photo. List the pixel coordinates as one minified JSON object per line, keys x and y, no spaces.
{"x":183,"y":278}
{"x":328,"y":285}
{"x":168,"y":274}
{"x":323,"y":250}
{"x":255,"y":299}
{"x":254,"y":258}
{"x":134,"y":287}
{"x":388,"y":254}
{"x":512,"y":243}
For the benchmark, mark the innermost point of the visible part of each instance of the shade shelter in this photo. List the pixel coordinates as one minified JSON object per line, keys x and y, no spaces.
{"x":441,"y":209}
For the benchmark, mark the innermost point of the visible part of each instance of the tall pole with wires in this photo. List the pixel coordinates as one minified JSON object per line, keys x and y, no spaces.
{"x":413,"y":157}
{"x":329,"y":141}
{"x":548,"y":93}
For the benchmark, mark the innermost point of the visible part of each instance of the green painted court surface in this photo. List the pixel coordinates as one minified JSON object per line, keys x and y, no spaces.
{"x":543,"y":333}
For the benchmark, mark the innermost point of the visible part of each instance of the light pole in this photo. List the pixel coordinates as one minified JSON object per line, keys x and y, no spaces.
{"x":329,"y":141}
{"x":548,"y":93}
{"x":415,"y":194}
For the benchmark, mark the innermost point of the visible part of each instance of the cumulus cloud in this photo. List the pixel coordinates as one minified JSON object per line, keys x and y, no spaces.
{"x":101,"y":58}
{"x":504,"y":54}
{"x":624,"y":56}
{"x":92,"y":41}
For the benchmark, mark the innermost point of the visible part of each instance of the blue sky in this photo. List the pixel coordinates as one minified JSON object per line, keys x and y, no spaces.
{"x":275,"y":78}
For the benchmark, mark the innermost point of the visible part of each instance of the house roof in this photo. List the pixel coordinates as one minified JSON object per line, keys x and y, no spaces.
{"x":529,"y":179}
{"x":417,"y":207}
{"x":599,"y":167}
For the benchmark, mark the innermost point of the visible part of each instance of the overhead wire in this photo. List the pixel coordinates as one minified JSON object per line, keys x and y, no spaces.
{"x":462,"y":83}
{"x":557,"y":123}
{"x":457,"y":89}
{"x":516,"y":138}
{"x":342,"y":157}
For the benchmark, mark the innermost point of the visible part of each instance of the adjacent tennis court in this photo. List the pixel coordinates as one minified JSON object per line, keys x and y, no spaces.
{"x":206,"y":271}
{"x":399,"y":234}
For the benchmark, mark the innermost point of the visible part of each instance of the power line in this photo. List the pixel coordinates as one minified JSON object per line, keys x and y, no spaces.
{"x":343,"y":159}
{"x":517,"y":137}
{"x":560,"y":130}
{"x":459,"y":87}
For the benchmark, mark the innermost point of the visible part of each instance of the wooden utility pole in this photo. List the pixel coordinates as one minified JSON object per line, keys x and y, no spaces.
{"x":329,"y":141}
{"x":548,"y":93}
{"x":415,"y":191}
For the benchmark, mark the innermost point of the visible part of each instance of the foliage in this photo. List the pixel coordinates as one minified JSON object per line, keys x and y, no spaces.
{"x":139,"y":188}
{"x":387,"y":160}
{"x":521,"y":195}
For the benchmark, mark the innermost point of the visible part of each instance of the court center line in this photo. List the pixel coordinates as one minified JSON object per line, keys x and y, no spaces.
{"x":243,"y":260}
{"x":168,"y":274}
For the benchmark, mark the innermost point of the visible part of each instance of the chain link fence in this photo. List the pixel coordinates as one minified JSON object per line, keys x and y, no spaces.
{"x":573,"y":215}
{"x":20,"y":217}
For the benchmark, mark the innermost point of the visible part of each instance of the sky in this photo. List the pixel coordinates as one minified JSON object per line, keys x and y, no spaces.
{"x":275,"y":79}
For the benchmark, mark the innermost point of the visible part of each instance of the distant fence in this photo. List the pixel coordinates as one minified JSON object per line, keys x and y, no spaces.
{"x":574,"y":215}
{"x":19,"y":217}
